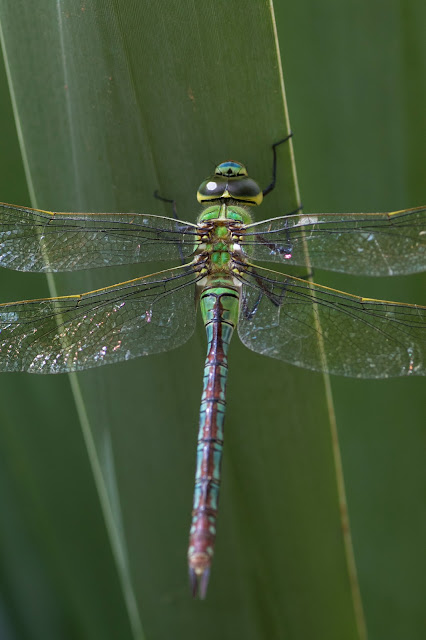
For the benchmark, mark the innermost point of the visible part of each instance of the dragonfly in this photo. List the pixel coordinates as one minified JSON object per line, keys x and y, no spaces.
{"x":278,"y":315}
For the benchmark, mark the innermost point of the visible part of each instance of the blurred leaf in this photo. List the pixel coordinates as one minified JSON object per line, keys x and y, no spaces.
{"x":114,"y":100}
{"x":355,"y":83}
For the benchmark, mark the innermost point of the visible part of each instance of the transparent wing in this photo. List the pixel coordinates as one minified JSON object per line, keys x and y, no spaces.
{"x":143,"y":316}
{"x":32,"y":240}
{"x":379,"y":244}
{"x":287,"y":318}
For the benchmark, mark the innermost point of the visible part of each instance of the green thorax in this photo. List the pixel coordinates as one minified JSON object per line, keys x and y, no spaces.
{"x":219,"y":226}
{"x":226,"y":196}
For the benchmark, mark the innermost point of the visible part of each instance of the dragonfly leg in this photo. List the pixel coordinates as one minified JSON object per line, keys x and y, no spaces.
{"x":169,"y":201}
{"x":175,"y":216}
{"x":277,"y":301}
{"x":271,"y":186}
{"x":275,"y":298}
{"x":249,"y":313}
{"x":285,"y":250}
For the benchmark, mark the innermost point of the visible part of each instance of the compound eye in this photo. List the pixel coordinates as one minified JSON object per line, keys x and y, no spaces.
{"x":212,"y":188}
{"x":245,"y":190}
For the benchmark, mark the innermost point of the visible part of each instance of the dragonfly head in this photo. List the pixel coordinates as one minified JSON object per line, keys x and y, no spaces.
{"x":230,"y":181}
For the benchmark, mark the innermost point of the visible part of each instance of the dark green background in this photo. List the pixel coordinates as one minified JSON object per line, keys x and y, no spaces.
{"x":354,"y":75}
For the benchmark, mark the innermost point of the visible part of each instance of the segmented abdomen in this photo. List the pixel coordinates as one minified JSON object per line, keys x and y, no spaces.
{"x":219,"y":307}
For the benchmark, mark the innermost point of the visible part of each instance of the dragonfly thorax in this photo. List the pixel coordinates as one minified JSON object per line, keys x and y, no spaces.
{"x":230,"y":181}
{"x":220,"y":229}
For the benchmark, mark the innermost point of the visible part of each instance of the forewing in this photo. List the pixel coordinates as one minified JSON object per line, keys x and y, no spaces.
{"x":328,"y":330}
{"x":55,"y":335}
{"x":32,"y":240}
{"x":376,"y":244}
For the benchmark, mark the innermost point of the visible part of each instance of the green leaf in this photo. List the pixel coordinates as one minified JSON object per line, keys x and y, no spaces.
{"x":113,"y":101}
{"x":357,"y":97}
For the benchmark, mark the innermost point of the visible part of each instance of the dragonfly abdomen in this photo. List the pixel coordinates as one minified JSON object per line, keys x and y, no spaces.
{"x":219,"y":308}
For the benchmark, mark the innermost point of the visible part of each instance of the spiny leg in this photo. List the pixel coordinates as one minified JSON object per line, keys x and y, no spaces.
{"x":169,"y":201}
{"x":271,"y":186}
{"x":175,"y":216}
{"x":287,"y":249}
{"x":276,"y":299}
